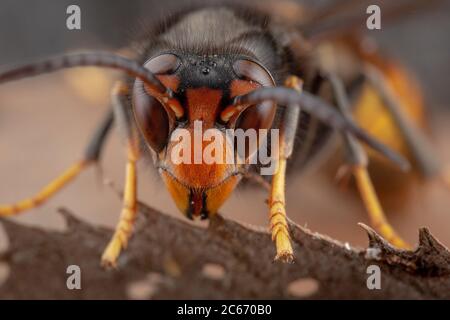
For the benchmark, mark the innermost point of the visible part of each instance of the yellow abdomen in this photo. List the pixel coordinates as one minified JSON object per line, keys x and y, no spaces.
{"x":373,"y":116}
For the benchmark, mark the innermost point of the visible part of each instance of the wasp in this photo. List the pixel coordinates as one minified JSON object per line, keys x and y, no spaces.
{"x":229,"y":66}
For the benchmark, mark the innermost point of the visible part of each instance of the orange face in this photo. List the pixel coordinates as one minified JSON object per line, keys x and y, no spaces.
{"x":199,"y":188}
{"x":188,"y":134}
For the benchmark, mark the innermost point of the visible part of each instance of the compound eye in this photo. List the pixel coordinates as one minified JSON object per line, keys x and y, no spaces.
{"x":249,"y":70}
{"x":151,"y":117}
{"x":259,"y":116}
{"x":165,"y":63}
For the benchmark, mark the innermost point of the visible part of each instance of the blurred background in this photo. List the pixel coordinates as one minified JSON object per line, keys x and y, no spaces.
{"x":45,"y":123}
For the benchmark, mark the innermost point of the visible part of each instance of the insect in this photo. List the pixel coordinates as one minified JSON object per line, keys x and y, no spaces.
{"x":230,"y":67}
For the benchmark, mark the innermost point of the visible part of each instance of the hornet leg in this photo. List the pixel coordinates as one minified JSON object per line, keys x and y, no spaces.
{"x":91,"y":156}
{"x":357,"y":159}
{"x":128,"y":215}
{"x":278,"y":223}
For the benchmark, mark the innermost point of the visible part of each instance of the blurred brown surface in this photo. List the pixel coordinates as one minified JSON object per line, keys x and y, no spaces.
{"x":170,"y":259}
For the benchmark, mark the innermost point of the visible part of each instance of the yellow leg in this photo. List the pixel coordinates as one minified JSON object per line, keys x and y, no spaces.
{"x":357,"y":158}
{"x":46,"y":193}
{"x":373,"y":207}
{"x":124,"y":228}
{"x":278,"y":223}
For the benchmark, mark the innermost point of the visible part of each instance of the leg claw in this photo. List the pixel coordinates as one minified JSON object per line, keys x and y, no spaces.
{"x":284,"y":257}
